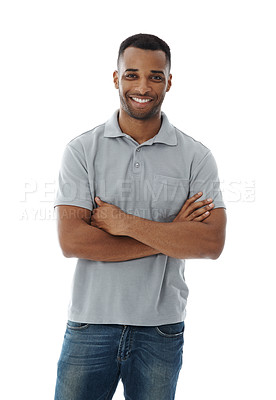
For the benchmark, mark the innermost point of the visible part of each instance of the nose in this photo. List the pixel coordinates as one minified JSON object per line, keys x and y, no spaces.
{"x":143,"y":86}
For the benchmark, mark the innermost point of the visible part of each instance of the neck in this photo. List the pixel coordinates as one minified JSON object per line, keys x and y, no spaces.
{"x":139,"y":130}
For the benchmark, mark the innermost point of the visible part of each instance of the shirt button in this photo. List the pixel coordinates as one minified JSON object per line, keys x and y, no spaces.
{"x":138,"y":149}
{"x":137,"y":165}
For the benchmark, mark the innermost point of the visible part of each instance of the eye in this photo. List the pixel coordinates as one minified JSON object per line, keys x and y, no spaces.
{"x":157,"y":78}
{"x":130,"y":76}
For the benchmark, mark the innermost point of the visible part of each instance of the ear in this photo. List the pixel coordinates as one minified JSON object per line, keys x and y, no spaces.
{"x":116,"y":79}
{"x":169,"y":83}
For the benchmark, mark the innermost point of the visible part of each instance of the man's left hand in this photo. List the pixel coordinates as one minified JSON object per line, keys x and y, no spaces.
{"x":108,"y":217}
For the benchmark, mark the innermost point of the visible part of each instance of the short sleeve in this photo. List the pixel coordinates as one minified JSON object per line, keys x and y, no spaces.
{"x":73,"y":182}
{"x":204,"y":178}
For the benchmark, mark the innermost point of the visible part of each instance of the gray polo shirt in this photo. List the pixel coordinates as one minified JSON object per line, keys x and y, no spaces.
{"x":150,"y":180}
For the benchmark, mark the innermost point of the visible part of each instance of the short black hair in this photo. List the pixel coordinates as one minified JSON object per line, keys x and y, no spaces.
{"x":146,"y":42}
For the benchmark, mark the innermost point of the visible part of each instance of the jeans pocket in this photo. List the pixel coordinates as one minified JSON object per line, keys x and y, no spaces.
{"x":77,"y":326}
{"x":171,"y":330}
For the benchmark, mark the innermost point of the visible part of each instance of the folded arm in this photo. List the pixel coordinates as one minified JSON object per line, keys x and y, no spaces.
{"x":79,"y":239}
{"x":178,"y":239}
{"x":188,"y":239}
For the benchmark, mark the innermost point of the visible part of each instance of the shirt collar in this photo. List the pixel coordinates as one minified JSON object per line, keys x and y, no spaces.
{"x":165,"y":135}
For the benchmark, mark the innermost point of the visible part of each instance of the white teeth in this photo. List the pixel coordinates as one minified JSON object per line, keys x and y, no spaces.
{"x":141,"y":100}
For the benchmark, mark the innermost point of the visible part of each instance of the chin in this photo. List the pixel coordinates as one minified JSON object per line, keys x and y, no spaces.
{"x":140,"y":115}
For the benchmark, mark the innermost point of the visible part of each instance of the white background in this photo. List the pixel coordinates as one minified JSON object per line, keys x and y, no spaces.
{"x":56,"y":82}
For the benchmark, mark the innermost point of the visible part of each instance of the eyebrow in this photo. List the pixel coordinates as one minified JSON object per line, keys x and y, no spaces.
{"x":157,"y":72}
{"x":153,"y":71}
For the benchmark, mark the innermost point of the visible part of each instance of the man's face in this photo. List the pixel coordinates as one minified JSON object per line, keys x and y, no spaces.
{"x":143,"y":80}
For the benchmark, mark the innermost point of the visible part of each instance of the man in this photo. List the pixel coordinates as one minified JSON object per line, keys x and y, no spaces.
{"x":129,"y":209}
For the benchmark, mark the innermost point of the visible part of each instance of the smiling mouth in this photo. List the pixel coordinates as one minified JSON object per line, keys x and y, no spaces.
{"x":140,"y":102}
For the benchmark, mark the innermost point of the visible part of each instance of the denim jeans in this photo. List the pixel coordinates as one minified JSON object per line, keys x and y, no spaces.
{"x":95,"y":357}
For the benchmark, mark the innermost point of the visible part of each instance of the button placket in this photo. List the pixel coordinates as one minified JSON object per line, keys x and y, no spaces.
{"x":137,"y":164}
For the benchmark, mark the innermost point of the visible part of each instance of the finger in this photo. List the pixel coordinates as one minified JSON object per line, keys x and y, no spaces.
{"x":99,"y":201}
{"x":198,"y":205}
{"x":93,"y":223}
{"x":202,"y":210}
{"x":203,"y":216}
{"x":191,"y":200}
{"x":197,"y":213}
{"x":185,"y":211}
{"x":190,"y":210}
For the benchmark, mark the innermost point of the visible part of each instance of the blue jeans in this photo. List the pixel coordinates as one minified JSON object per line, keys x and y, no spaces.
{"x":95,"y":357}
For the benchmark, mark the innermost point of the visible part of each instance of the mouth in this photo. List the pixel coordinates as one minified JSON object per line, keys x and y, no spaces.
{"x":140,"y":101}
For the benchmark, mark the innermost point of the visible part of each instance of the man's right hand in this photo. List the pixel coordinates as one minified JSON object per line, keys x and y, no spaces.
{"x":193,"y":210}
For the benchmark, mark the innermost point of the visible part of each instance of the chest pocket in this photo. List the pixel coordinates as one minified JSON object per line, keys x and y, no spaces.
{"x":169,"y":195}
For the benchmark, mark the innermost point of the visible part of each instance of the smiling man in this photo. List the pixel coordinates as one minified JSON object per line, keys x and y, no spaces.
{"x":143,"y":102}
{"x":136,"y":198}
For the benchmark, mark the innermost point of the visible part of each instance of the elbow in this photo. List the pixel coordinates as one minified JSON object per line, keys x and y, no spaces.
{"x":215,"y":255}
{"x":74,"y":249}
{"x":216,"y":250}
{"x":66,"y":249}
{"x":66,"y":254}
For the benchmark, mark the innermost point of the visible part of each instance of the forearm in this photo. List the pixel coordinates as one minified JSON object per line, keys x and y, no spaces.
{"x":91,"y":243}
{"x":175,"y":239}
